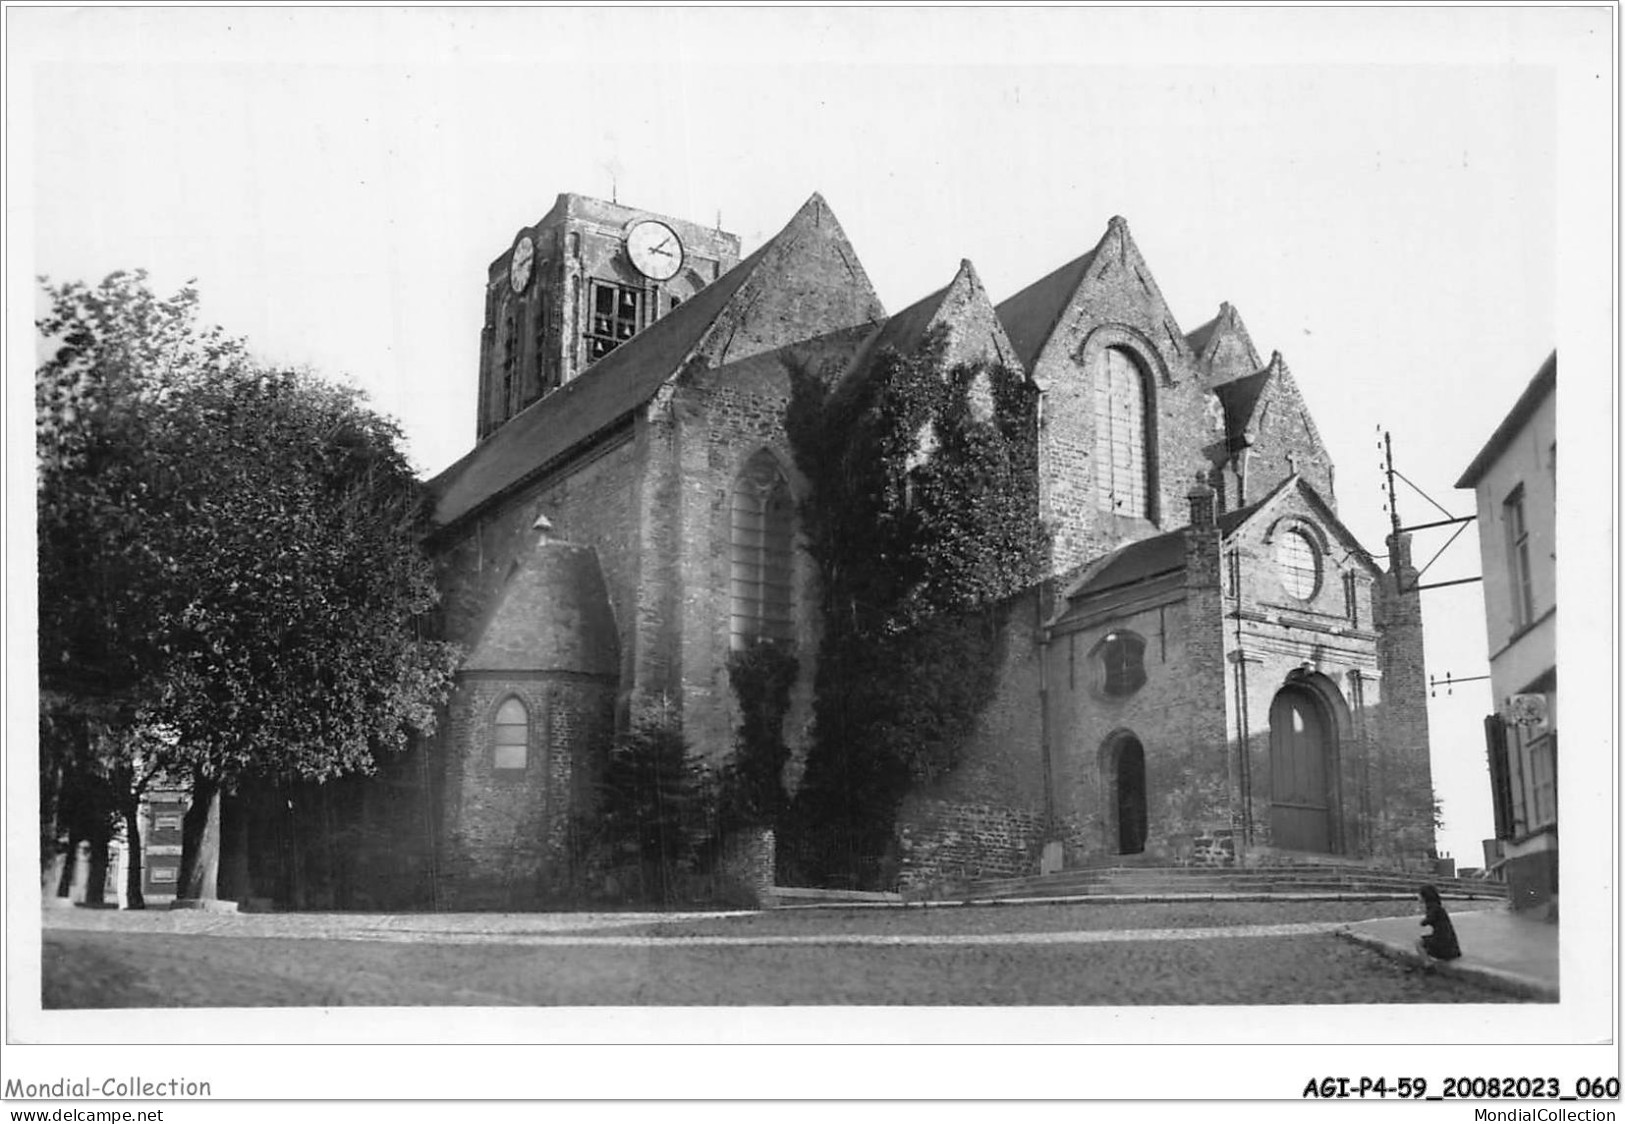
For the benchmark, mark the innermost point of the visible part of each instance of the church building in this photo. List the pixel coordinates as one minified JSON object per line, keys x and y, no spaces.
{"x":1211,"y":670}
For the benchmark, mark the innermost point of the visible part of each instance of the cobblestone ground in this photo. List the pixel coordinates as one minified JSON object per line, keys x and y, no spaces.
{"x":1051,"y":955}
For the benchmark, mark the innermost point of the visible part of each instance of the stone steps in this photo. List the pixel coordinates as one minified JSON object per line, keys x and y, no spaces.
{"x":1324,"y":878}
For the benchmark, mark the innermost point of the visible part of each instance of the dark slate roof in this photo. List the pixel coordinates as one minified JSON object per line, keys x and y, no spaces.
{"x":1239,"y":398}
{"x":1544,"y":383}
{"x":903,"y":332}
{"x":1199,"y":338}
{"x":1030,"y":317}
{"x":553,"y":614}
{"x":833,"y":351}
{"x":1149,"y":558}
{"x":617,"y":383}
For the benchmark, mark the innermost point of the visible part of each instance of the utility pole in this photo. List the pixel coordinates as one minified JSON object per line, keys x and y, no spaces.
{"x":1458,"y":521}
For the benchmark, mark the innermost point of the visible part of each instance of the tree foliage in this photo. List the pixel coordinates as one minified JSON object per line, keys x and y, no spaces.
{"x":655,"y":804}
{"x":922,"y":516}
{"x":230,"y":555}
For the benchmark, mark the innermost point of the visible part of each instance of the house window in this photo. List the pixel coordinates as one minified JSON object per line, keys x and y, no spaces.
{"x":1522,"y":588}
{"x":1122,"y":658}
{"x":615,"y":315}
{"x":1543,"y":780}
{"x":1298,"y":563}
{"x":1120,"y":444}
{"x":511,"y":736}
{"x":762,"y":536}
{"x":164,"y":874}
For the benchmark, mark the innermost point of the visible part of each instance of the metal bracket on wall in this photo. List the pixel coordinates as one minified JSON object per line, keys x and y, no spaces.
{"x":1448,"y":682}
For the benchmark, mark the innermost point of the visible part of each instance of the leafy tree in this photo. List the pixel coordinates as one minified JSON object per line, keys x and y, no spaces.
{"x":230,"y":558}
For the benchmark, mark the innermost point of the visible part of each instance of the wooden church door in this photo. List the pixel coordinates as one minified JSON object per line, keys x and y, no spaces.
{"x":1131,"y":810}
{"x":1300,"y":746}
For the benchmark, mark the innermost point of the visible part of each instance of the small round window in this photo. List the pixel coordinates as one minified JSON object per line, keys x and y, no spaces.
{"x":1298,"y":562}
{"x":1122,"y":658}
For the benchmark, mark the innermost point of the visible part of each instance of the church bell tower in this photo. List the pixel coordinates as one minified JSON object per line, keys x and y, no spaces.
{"x":577,"y":284}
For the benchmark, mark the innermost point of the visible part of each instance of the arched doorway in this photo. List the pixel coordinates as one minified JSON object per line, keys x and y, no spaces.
{"x":1127,"y":760}
{"x":1302,"y":744}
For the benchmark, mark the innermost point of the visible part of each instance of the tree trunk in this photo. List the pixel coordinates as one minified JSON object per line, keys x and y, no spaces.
{"x":295,"y":844}
{"x":96,"y":877}
{"x":70,"y":867}
{"x":235,"y":880}
{"x":50,"y":817}
{"x":133,"y":898}
{"x":200,"y":844}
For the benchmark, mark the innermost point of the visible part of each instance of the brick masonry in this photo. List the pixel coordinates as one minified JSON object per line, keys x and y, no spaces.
{"x":505,"y":833}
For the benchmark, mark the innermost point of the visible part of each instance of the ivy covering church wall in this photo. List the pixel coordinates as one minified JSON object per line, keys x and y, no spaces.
{"x":921,"y":516}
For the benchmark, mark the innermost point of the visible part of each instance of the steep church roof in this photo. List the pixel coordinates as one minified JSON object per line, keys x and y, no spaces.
{"x":1030,"y":316}
{"x":552,"y":614}
{"x":1247,"y":402}
{"x":1200,"y":336}
{"x":1114,"y":270}
{"x":1240,"y":398}
{"x":705,"y":328}
{"x":962,"y":307}
{"x":1147,"y":558}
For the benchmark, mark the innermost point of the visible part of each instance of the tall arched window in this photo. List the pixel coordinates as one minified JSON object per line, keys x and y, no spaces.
{"x":761,"y":539}
{"x":1120,"y":442}
{"x":511,"y":736}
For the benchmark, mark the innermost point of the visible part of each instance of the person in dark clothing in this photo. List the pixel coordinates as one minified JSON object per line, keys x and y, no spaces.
{"x":1441,"y":942}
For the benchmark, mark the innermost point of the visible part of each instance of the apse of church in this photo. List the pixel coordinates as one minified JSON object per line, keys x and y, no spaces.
{"x":1212,"y":669}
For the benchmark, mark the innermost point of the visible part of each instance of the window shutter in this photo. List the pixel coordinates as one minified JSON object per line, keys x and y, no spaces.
{"x":1495,"y":741}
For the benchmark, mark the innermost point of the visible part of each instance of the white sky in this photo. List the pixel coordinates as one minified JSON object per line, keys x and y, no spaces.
{"x":1384,"y":194}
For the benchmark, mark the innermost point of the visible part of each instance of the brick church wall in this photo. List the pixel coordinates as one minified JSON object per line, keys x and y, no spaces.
{"x":593,"y":501}
{"x":723,"y":418}
{"x":1119,"y":306}
{"x":987,"y":816}
{"x":505,"y":834}
{"x":739,"y":412}
{"x":1285,"y":442}
{"x":1177,"y":717}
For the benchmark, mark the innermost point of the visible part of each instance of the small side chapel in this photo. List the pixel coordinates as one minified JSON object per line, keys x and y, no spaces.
{"x":1212,"y":669}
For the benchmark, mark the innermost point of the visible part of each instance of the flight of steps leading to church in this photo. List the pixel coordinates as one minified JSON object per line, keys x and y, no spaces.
{"x":1178,"y":881}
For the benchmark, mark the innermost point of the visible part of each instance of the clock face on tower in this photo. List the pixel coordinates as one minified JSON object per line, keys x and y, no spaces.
{"x":520,"y":263}
{"x":655,"y":250}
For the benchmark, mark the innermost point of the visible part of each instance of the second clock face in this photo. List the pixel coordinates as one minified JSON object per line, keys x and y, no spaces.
{"x":655,"y":250}
{"x":520,"y":264}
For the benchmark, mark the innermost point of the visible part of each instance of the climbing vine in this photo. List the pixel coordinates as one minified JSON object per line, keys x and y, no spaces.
{"x":752,"y":790}
{"x":922,"y":516}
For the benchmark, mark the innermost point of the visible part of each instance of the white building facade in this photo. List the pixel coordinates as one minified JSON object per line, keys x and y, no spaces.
{"x":1514,"y":478}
